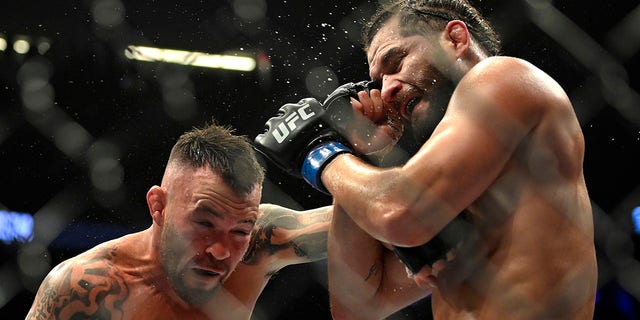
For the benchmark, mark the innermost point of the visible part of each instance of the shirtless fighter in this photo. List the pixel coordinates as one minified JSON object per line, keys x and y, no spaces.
{"x":501,"y":146}
{"x":187,"y":264}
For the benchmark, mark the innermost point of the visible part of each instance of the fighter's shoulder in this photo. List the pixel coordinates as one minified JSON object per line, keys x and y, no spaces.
{"x":102,"y":256}
{"x":497,"y":68}
{"x":91,"y":277}
{"x":508,"y":73}
{"x":511,"y":80}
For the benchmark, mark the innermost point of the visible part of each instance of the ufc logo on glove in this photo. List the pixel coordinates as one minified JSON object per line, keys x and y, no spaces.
{"x":289,"y":124}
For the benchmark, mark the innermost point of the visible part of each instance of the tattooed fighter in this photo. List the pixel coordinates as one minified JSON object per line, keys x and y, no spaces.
{"x":206,"y":218}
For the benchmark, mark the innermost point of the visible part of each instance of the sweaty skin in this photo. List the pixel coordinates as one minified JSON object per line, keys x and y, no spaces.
{"x":509,"y":150}
{"x":283,"y":237}
{"x":123,"y":278}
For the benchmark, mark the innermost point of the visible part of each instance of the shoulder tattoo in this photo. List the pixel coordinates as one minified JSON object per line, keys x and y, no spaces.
{"x":93,"y":289}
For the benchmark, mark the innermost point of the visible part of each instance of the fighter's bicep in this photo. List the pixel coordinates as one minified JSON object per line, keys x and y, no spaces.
{"x":477,"y":152}
{"x":484,"y":125}
{"x":284,"y":236}
{"x":459,"y":161}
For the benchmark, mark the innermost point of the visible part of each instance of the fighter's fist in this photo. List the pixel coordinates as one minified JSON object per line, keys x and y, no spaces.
{"x":359,"y":115}
{"x":340,"y":112}
{"x":305,"y":136}
{"x":292,"y":137}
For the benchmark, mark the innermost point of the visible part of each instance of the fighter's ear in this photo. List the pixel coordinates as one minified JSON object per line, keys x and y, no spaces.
{"x":156,"y":200}
{"x":458,"y":36}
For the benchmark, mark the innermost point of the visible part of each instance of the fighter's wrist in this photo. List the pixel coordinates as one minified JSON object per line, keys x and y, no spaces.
{"x":317,"y":160}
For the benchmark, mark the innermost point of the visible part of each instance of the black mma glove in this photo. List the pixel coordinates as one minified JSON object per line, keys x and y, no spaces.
{"x":338,"y":104}
{"x":298,"y":132}
{"x":452,"y":236}
{"x":305,"y":136}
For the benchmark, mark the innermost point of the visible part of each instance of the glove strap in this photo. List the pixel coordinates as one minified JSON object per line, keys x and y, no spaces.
{"x":316,"y":160}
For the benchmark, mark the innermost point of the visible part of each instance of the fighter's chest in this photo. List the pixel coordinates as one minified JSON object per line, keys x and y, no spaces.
{"x":150,"y":303}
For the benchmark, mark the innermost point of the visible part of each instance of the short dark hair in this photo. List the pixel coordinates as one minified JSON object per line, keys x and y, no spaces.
{"x":232,"y":156}
{"x":417,"y":17}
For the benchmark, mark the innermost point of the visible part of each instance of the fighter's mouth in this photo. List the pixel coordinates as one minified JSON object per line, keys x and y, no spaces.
{"x":205,"y":272}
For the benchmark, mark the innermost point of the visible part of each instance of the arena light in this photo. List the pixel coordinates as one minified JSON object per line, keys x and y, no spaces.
{"x":15,"y":227}
{"x":190,"y":58}
{"x":21,"y":45}
{"x":635,"y":217}
{"x":43,"y":45}
{"x":3,"y":43}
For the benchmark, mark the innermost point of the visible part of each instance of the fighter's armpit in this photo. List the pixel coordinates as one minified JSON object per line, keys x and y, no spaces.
{"x":279,"y":230}
{"x":92,"y":289}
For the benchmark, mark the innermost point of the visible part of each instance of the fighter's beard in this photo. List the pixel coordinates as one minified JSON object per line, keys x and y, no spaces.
{"x":423,"y":126}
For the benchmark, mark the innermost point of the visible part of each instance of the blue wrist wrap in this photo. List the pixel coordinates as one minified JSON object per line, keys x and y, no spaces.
{"x":316,"y":160}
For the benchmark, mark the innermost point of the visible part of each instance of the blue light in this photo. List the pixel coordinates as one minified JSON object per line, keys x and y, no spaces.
{"x":635,"y":216}
{"x":15,"y":227}
{"x":625,"y":304}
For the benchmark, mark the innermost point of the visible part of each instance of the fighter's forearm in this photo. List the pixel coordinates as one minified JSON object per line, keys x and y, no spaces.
{"x":293,"y":236}
{"x":378,"y":200}
{"x":354,"y":268}
{"x":366,"y":280}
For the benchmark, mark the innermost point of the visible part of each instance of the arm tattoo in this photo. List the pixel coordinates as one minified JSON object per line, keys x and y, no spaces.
{"x":93,"y":289}
{"x":281,"y":228}
{"x":372,"y":271}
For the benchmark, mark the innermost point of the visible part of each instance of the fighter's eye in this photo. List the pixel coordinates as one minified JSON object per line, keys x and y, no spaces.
{"x":242,"y":232}
{"x":396,"y":64}
{"x":393,"y":60}
{"x":205,"y":224}
{"x":410,"y":106}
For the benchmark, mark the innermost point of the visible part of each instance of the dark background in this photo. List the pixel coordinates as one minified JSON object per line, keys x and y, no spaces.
{"x":84,"y":132}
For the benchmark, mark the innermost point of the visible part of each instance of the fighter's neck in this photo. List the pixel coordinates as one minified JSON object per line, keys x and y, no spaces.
{"x":138,"y":256}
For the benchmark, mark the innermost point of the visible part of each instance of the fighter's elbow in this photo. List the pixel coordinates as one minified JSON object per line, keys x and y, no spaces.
{"x":402,"y":226}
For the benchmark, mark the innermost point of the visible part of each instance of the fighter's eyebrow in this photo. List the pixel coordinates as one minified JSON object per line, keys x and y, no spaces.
{"x":207,"y":210}
{"x":385,"y":61}
{"x":388,"y":55}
